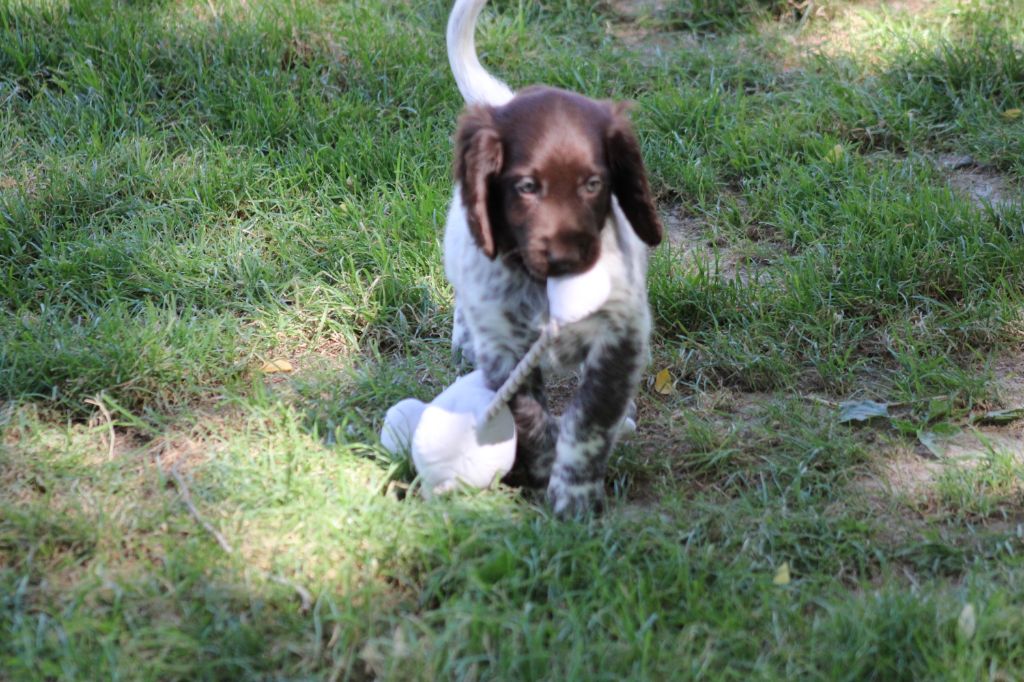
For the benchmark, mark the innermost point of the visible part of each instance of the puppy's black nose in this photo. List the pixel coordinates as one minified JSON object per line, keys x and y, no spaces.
{"x":568,"y":257}
{"x":562,"y":266}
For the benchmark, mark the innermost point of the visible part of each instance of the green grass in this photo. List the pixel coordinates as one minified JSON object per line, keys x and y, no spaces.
{"x":188,"y":190}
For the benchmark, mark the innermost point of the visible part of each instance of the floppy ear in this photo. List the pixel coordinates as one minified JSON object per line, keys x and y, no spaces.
{"x":478,"y":156}
{"x":629,"y":178}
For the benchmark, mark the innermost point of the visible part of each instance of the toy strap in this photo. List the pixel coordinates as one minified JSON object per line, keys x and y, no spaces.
{"x":529,"y":363}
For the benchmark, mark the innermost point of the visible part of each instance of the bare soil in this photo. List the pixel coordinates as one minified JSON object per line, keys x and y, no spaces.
{"x":982,"y":185}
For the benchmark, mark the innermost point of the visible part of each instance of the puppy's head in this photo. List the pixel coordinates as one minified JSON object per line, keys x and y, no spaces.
{"x":537,"y":176}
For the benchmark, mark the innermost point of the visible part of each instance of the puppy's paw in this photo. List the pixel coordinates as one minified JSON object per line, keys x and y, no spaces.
{"x":522,"y":477}
{"x":575,"y":500}
{"x":627,"y":427}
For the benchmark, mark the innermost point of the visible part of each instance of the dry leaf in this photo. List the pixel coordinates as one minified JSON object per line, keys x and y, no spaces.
{"x":782,"y":574}
{"x":379,"y":653}
{"x":275,"y":366}
{"x":836,"y":154}
{"x":663,"y":382}
{"x":861,"y":410}
{"x":1012,"y":114}
{"x":967,"y":623}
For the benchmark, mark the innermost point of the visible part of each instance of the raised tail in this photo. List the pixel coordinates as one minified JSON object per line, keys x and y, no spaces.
{"x":476,"y":85}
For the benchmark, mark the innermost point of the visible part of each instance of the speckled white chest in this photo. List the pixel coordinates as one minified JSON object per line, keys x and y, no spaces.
{"x":501,"y":309}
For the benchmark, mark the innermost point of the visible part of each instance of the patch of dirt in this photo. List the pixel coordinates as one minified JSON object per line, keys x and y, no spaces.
{"x":903,"y":474}
{"x":1011,"y":381}
{"x":834,"y":25}
{"x":688,"y":232}
{"x":633,"y":10}
{"x":978,"y":183}
{"x":970,"y":446}
{"x":907,"y":474}
{"x":305,"y":48}
{"x":1009,"y":373}
{"x":701,"y":248}
{"x":652,"y":44}
{"x":182,"y":453}
{"x":914,"y":7}
{"x":641,"y":27}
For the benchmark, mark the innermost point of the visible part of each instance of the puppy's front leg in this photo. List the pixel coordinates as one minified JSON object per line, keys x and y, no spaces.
{"x":536,"y":435}
{"x":536,"y":429}
{"x":462,"y":342}
{"x":589,"y":427}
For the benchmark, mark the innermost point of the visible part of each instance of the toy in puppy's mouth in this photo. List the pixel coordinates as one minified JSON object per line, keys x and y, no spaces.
{"x":466,"y":435}
{"x":574,"y":297}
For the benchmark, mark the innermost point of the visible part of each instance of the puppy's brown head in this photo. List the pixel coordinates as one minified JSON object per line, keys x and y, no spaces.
{"x":537,"y":176}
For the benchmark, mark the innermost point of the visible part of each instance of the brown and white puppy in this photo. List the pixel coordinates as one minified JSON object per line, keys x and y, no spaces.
{"x":548,"y":182}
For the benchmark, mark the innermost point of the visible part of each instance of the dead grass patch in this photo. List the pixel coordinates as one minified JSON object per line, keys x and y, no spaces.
{"x":634,"y":10}
{"x":837,"y":29}
{"x":27,"y":183}
{"x":702,"y":248}
{"x":652,"y":44}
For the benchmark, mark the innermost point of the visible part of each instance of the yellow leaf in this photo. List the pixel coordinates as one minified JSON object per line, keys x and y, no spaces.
{"x":1012,"y":114}
{"x":275,"y":366}
{"x":967,"y":622}
{"x":782,"y":574}
{"x":835,"y":154}
{"x":663,"y":382}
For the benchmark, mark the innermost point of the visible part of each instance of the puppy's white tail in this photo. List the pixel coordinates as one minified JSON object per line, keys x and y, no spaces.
{"x":476,"y":85}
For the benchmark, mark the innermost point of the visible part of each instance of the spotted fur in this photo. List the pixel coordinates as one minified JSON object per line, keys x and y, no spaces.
{"x":548,"y":182}
{"x":499,"y":312}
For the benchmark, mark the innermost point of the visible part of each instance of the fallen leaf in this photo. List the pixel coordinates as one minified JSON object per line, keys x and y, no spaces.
{"x":861,"y":410}
{"x":1011,"y":114}
{"x":967,"y":622}
{"x":835,"y":154}
{"x":380,"y":652}
{"x":276,"y":366}
{"x":782,"y":574}
{"x":663,"y":382}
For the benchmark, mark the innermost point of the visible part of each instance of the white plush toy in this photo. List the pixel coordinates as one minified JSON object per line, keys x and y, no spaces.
{"x":467,"y":433}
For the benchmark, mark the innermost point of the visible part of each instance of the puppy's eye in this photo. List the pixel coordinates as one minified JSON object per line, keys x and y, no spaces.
{"x":527,"y":186}
{"x":592,"y":185}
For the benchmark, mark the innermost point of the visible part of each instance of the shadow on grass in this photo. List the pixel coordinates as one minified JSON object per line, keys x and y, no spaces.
{"x":107,"y":573}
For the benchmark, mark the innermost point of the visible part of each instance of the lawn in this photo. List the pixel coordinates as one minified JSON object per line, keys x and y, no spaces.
{"x":220,"y":263}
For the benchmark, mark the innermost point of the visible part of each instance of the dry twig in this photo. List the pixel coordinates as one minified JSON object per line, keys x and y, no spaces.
{"x":305,"y":597}
{"x":186,"y":497}
{"x":110,"y":423}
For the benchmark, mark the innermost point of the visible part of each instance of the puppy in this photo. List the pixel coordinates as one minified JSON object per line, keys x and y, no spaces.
{"x":548,"y":182}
